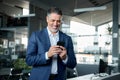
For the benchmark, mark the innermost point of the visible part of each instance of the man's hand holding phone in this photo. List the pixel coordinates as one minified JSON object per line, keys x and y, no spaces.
{"x":63,"y":53}
{"x":58,"y":49}
{"x":54,"y":50}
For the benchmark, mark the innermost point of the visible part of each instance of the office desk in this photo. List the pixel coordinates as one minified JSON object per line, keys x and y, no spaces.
{"x":85,"y":77}
{"x":114,"y":76}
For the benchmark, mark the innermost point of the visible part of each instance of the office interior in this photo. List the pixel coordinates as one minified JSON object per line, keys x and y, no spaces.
{"x":94,"y":31}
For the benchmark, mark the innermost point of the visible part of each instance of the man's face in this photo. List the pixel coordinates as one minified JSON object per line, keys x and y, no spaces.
{"x":54,"y":22}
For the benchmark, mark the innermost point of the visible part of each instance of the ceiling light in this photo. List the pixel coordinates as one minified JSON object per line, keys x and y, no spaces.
{"x":29,"y":15}
{"x":90,"y":9}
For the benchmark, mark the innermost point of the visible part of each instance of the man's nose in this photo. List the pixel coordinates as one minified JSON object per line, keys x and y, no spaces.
{"x":55,"y":23}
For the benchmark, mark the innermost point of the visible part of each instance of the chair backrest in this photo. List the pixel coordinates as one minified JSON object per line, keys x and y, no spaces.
{"x":71,"y":73}
{"x":102,"y":66}
{"x":84,"y":69}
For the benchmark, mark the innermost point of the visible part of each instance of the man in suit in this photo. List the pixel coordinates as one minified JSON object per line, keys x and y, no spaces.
{"x":49,"y":60}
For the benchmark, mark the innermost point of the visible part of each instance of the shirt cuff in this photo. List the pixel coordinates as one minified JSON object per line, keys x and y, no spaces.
{"x":46,"y":56}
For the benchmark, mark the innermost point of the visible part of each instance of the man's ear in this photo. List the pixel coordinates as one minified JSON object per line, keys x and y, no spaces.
{"x":47,"y":18}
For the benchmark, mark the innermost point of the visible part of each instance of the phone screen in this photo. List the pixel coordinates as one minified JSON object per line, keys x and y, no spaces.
{"x":60,"y":43}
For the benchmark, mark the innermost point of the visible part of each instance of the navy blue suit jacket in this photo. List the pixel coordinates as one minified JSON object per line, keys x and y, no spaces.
{"x":38,"y":45}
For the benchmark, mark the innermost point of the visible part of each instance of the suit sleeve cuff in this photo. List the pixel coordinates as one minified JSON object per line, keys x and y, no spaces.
{"x":65,"y":61}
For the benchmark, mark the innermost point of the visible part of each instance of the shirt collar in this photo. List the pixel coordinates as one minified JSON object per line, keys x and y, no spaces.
{"x":49,"y":32}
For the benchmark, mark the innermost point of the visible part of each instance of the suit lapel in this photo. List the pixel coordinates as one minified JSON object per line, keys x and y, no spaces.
{"x":61,"y":37}
{"x":46,"y":39}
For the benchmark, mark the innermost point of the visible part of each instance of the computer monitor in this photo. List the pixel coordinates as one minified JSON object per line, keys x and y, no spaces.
{"x":102,"y":66}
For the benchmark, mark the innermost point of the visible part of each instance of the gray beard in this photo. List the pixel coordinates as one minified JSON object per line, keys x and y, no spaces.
{"x":54,"y":31}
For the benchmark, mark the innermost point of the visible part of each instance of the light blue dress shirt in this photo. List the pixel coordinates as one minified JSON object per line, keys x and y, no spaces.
{"x":53,"y":40}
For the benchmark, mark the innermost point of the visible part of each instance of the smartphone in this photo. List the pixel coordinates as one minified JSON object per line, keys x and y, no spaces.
{"x":61,"y":43}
